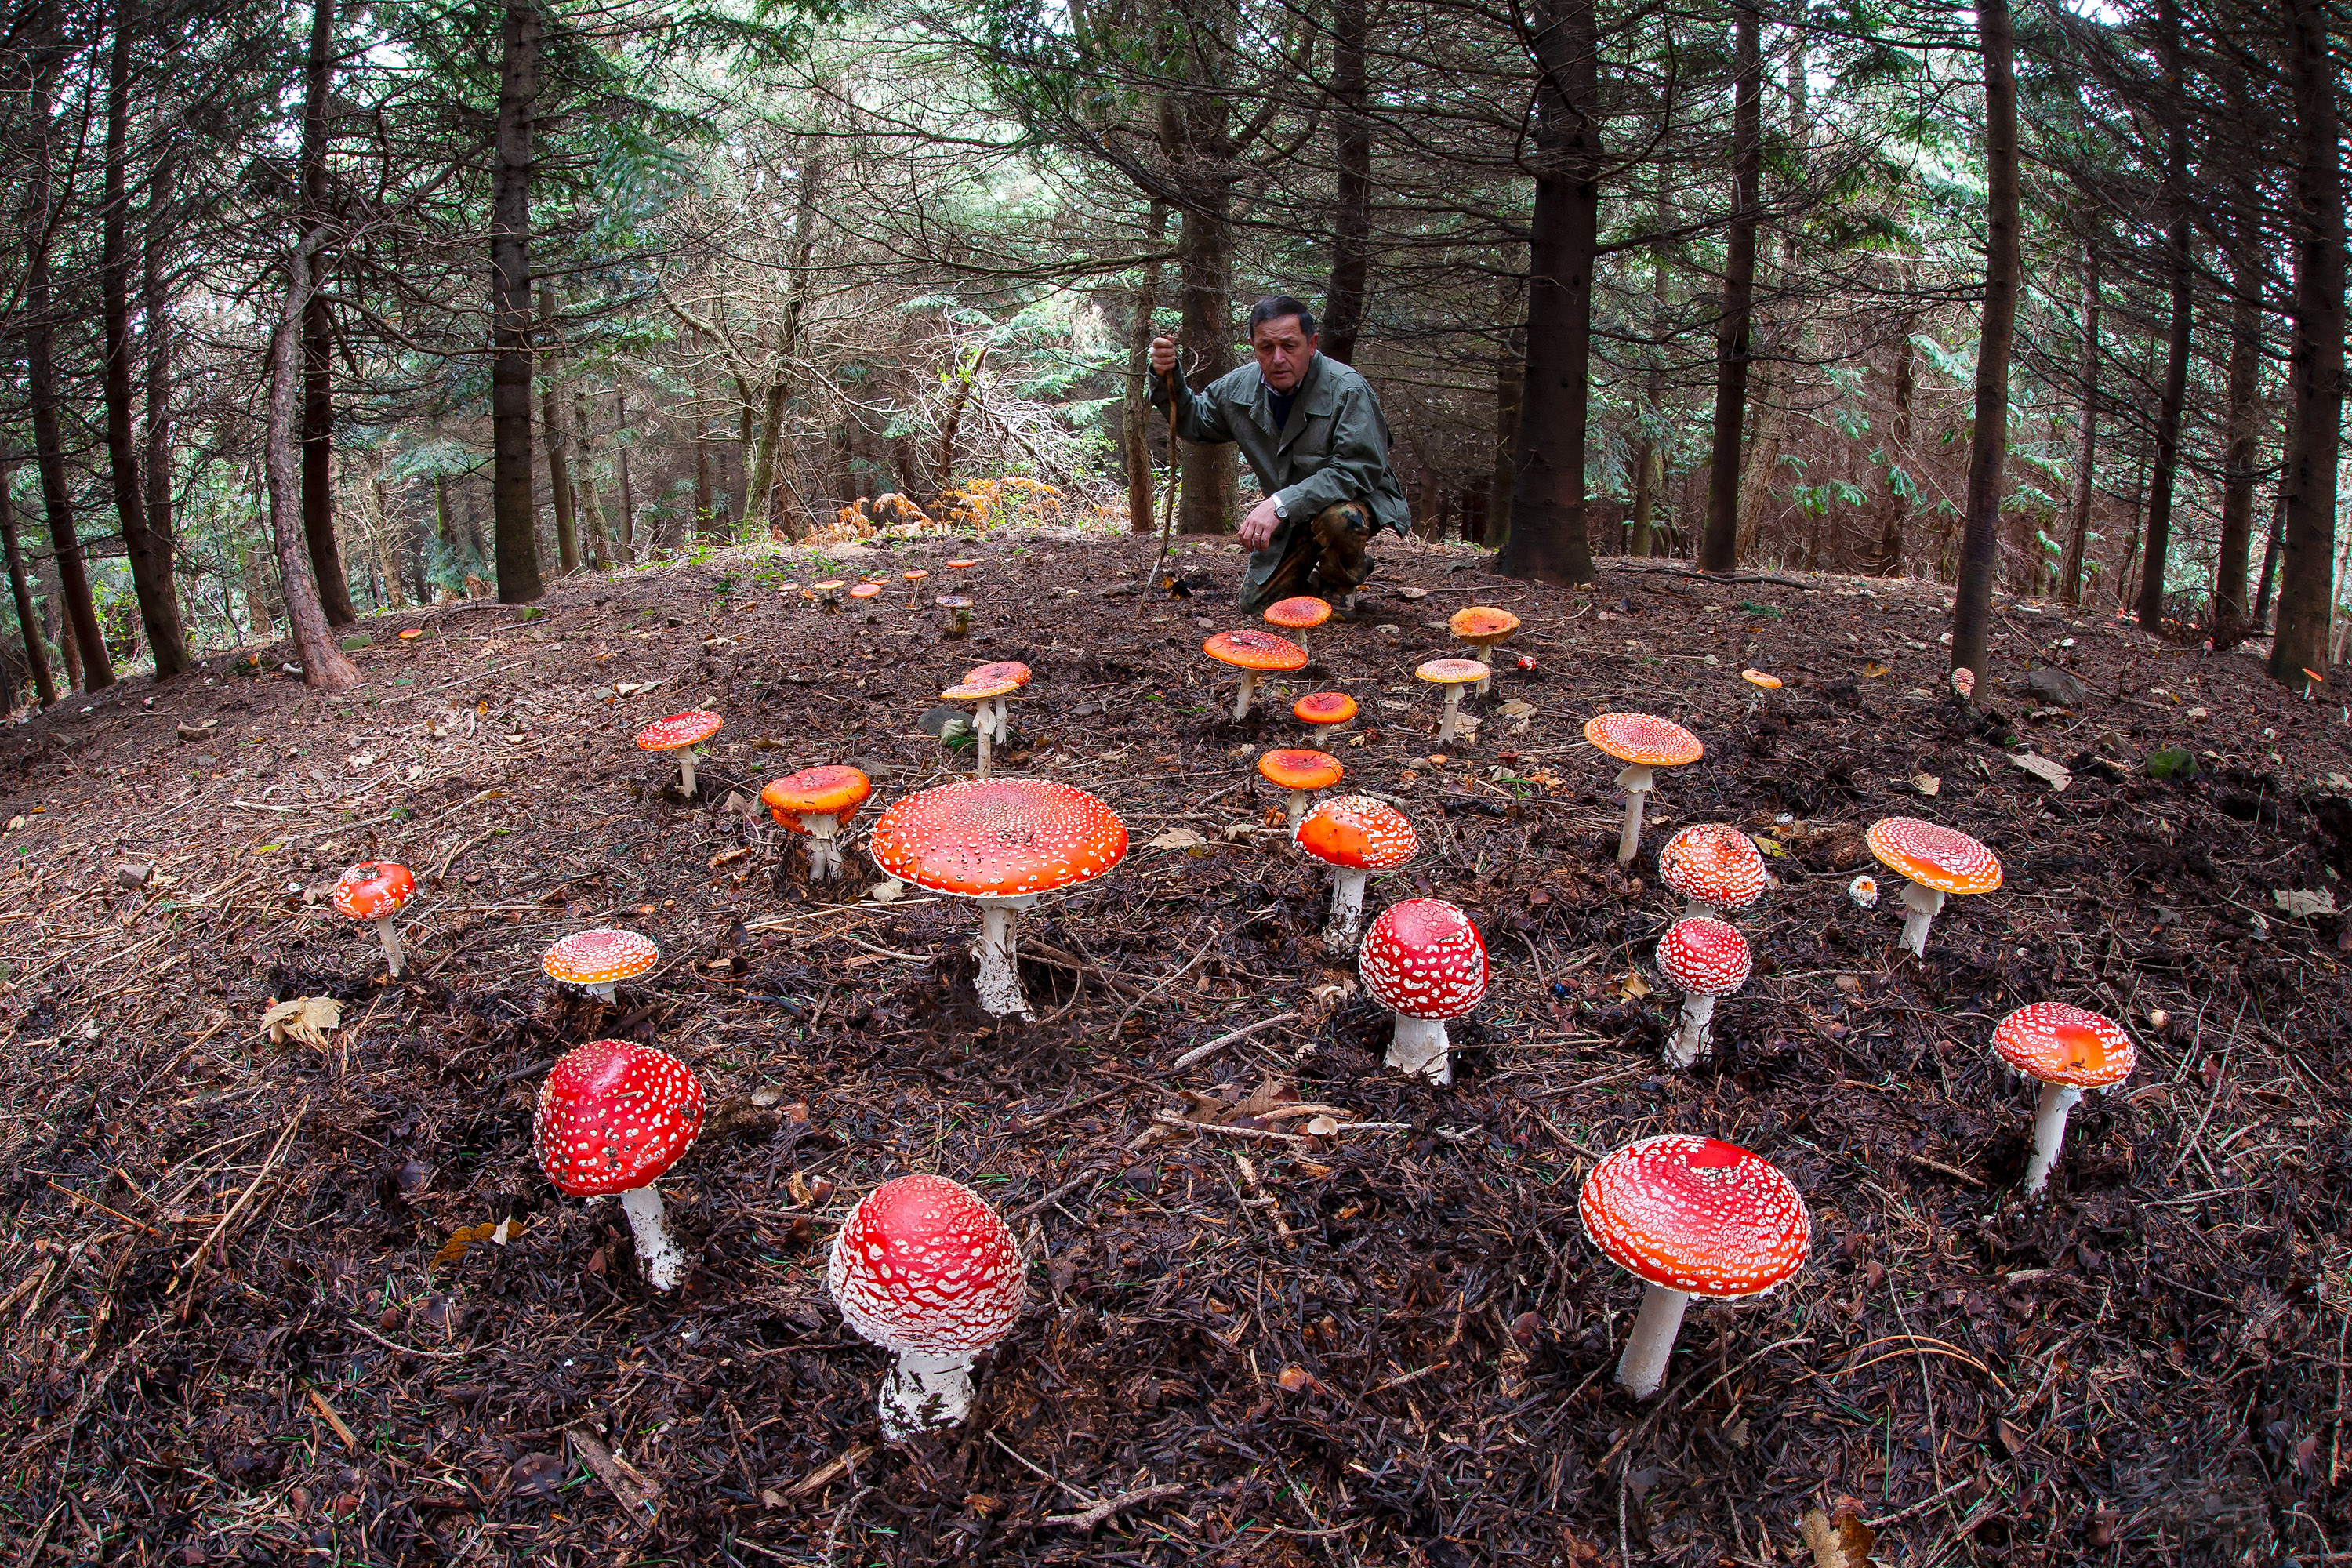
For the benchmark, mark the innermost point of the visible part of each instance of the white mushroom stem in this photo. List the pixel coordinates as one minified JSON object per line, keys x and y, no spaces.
{"x":387,"y":931}
{"x":686,"y":773}
{"x":1642,"y":1371}
{"x":2049,"y":1132}
{"x":999,"y":982}
{"x":664,"y":1264}
{"x":962,"y":621}
{"x":1923,"y":903}
{"x":925,"y":1392}
{"x":1419,"y":1046}
{"x":1347,"y":909}
{"x":1241,"y":697}
{"x":1452,"y":711}
{"x":825,"y":857}
{"x":1635,"y":782}
{"x":602,"y":990}
{"x":1485,"y":654}
{"x":1690,"y":1039}
{"x":1297,"y":807}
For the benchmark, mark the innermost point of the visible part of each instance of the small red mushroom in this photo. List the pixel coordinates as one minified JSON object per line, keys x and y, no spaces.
{"x":1714,"y":867}
{"x":681,"y":732}
{"x":612,"y":1117}
{"x":1354,"y":835}
{"x":2066,"y":1049}
{"x":374,"y":891}
{"x":1423,"y":961}
{"x":1704,"y":958}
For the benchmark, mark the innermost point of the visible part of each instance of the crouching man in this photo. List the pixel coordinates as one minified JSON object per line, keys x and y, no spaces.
{"x":1314,"y":434}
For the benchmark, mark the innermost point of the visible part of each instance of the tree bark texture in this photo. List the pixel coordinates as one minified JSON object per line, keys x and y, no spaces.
{"x":1649,"y":451}
{"x":551,"y":419}
{"x":1510,"y":376}
{"x":162,"y":494}
{"x":599,"y":539}
{"x":1989,"y":448}
{"x":1886,"y":558}
{"x":323,"y":664}
{"x":761,"y":487}
{"x":319,"y":329}
{"x":1720,"y":551}
{"x":1352,"y":203}
{"x":29,"y":617}
{"x":2157,"y":545}
{"x":515,"y":524}
{"x":1137,"y":422}
{"x":2087,"y":438}
{"x":621,"y":466}
{"x":1196,"y":132}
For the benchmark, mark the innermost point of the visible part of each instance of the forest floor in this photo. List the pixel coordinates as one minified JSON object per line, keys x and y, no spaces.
{"x":238,"y":1328}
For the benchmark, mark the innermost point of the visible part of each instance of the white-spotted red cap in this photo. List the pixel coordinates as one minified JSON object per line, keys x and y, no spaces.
{"x":1255,"y":650}
{"x":1934,"y":855}
{"x":1704,"y":957}
{"x":613,"y":1115}
{"x":1697,"y":1214}
{"x":1358,"y":833}
{"x":1643,"y":739}
{"x":2058,"y":1042}
{"x":679,"y":730}
{"x":1002,"y":679}
{"x":1714,"y":863}
{"x":599,"y":957}
{"x":998,"y":837}
{"x":1422,"y":958}
{"x":923,"y":1264}
{"x":371,"y":891}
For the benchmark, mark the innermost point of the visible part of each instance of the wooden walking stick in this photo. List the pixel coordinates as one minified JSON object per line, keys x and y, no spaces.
{"x":1167,"y":513}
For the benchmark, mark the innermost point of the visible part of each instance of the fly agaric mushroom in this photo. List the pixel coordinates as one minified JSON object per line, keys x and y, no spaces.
{"x":1938,"y":860}
{"x":1423,"y":961}
{"x":1643,"y":744}
{"x":374,"y":891}
{"x":410,"y":634}
{"x":2066,"y":1049}
{"x":1300,"y":773}
{"x":958,"y":609}
{"x":1481,"y":626}
{"x":612,"y":1117}
{"x":1354,"y":835}
{"x":1704,"y":958}
{"x":1714,"y":867}
{"x":988,"y":685}
{"x":866,"y":594}
{"x":923,"y":1266}
{"x":599,"y":960}
{"x":681,"y":732}
{"x":1301,"y":615}
{"x":1692,"y":1216}
{"x":828,"y":595}
{"x":1253,"y":653}
{"x":1453,"y":674}
{"x":915,"y":587}
{"x":1863,"y":890}
{"x":1000,"y":843}
{"x":818,"y":801}
{"x":1325,"y":712}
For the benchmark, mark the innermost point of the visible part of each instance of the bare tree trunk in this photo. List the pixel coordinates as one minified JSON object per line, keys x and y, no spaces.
{"x":1989,"y":448}
{"x":1649,"y":452}
{"x":621,"y":463}
{"x":1196,"y":127}
{"x":762,"y":483}
{"x":1137,"y":423}
{"x":2158,"y":543}
{"x":515,"y":521}
{"x":967,"y":378}
{"x":706,"y":523}
{"x":163,"y":493}
{"x":2087,"y":438}
{"x":323,"y":664}
{"x":2261,"y":623}
{"x":1510,"y":378}
{"x":1769,"y":401}
{"x":1886,"y":558}
{"x":1352,"y":217}
{"x":551,"y":419}
{"x":1720,"y":551}
{"x":592,"y":506}
{"x":29,"y":618}
{"x":317,"y":412}
{"x":2239,"y":463}
{"x":58,"y":621}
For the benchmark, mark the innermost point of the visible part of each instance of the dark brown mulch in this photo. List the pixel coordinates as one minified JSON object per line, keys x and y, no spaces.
{"x":228,"y":1338}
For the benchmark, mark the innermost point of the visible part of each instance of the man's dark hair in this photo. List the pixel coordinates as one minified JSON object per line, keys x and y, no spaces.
{"x":1273,"y":307}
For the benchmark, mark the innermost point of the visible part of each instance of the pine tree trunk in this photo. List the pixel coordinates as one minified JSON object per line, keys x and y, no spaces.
{"x":2269,"y":579}
{"x":706,"y":523}
{"x":1351,"y":214}
{"x":584,"y":482}
{"x":1886,"y":558}
{"x":2157,"y":545}
{"x":1510,"y":375}
{"x":1137,"y":423}
{"x":29,"y":617}
{"x":163,"y":495}
{"x":1649,"y":452}
{"x":317,"y":412}
{"x":1195,"y":129}
{"x":2087,"y":439}
{"x":323,"y":664}
{"x":515,"y":521}
{"x":551,"y":419}
{"x":621,"y":462}
{"x":1720,"y":551}
{"x":1989,"y":448}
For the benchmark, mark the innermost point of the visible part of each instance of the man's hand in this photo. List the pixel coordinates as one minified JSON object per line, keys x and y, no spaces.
{"x":1163,"y":354}
{"x":1257,"y":528}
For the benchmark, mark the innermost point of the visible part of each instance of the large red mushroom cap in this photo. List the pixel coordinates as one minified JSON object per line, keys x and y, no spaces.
{"x":924,"y":1265}
{"x":1255,"y":650}
{"x":1422,"y":958}
{"x":998,"y":837}
{"x":1357,"y":833}
{"x":1302,"y":613}
{"x":1644,"y":739}
{"x":679,"y":730}
{"x":1002,"y":679}
{"x":1704,"y":957}
{"x":1714,"y":863}
{"x":2061,"y":1044}
{"x":1697,"y":1214}
{"x":1298,"y":769}
{"x":1482,"y":624}
{"x":599,"y":957}
{"x":836,"y":790}
{"x":1934,"y":855}
{"x":613,"y":1115}
{"x":374,"y":889}
{"x":1324,"y":707}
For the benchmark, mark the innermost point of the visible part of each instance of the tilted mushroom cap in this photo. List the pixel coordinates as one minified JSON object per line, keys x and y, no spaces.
{"x":923,"y":1264}
{"x":1324,"y":707}
{"x":1304,"y":613}
{"x":998,"y":837}
{"x":952,"y":602}
{"x":613,"y":1115}
{"x":1934,"y":855}
{"x":1714,"y":863}
{"x":1358,"y":833}
{"x":373,"y":889}
{"x":1422,"y":958}
{"x":1758,"y":677}
{"x":2061,"y":1044}
{"x":1251,"y":649}
{"x":1300,"y":769}
{"x":1641,"y":739}
{"x":1002,"y":679}
{"x":1704,"y":957}
{"x":600,"y":957}
{"x":1697,"y":1214}
{"x":915,"y":575}
{"x":1453,"y":671}
{"x":1482,"y":624}
{"x":834,"y":790}
{"x":679,"y":730}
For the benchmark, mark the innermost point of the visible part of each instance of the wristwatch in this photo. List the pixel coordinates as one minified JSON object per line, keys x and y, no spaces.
{"x":1280,"y":510}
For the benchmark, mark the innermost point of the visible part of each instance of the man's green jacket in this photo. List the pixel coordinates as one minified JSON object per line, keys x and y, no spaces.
{"x":1335,"y":447}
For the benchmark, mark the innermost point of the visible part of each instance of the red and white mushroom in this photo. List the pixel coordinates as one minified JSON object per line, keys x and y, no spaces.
{"x":1356,"y":836}
{"x":988,"y":686}
{"x":1254,"y":653}
{"x":1423,"y":961}
{"x":1704,"y":958}
{"x":373,"y":892}
{"x":1938,"y":860}
{"x":925,"y":1267}
{"x":2067,"y":1049}
{"x":596,"y":961}
{"x":1692,"y":1216}
{"x":1000,"y":843}
{"x":1714,"y":867}
{"x":681,"y":732}
{"x":1645,"y":743}
{"x":612,"y":1117}
{"x":817,"y":801}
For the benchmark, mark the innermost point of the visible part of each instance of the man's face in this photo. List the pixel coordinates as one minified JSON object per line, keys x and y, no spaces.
{"x":1283,"y":351}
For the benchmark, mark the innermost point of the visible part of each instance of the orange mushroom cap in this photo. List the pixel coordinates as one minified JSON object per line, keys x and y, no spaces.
{"x":866,"y":590}
{"x":1358,"y":833}
{"x":2057,"y":1043}
{"x":1758,"y":677}
{"x":1324,"y":707}
{"x":834,"y":790}
{"x":373,"y":889}
{"x":1640,"y":738}
{"x":1302,"y":614}
{"x":998,"y":837}
{"x":1697,"y":1214}
{"x":981,"y":681}
{"x":599,"y":957}
{"x":1715,"y":864}
{"x":830,"y":585}
{"x":679,"y":730}
{"x":960,"y":565}
{"x":1300,"y":769}
{"x":412,"y":634}
{"x":1453,"y":671}
{"x":1482,"y":624}
{"x":1254,"y":650}
{"x":1934,"y":855}
{"x":917,"y":576}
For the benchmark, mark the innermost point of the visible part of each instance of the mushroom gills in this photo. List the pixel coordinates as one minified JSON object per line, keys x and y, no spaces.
{"x":2050,"y":1112}
{"x":1635,"y":780}
{"x":1642,"y":1371}
{"x":664,"y":1264}
{"x":1690,"y":1041}
{"x":925,"y":1392}
{"x":998,"y":981}
{"x":1347,"y":909}
{"x":1923,"y":903}
{"x":1419,"y":1046}
{"x":387,"y":929}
